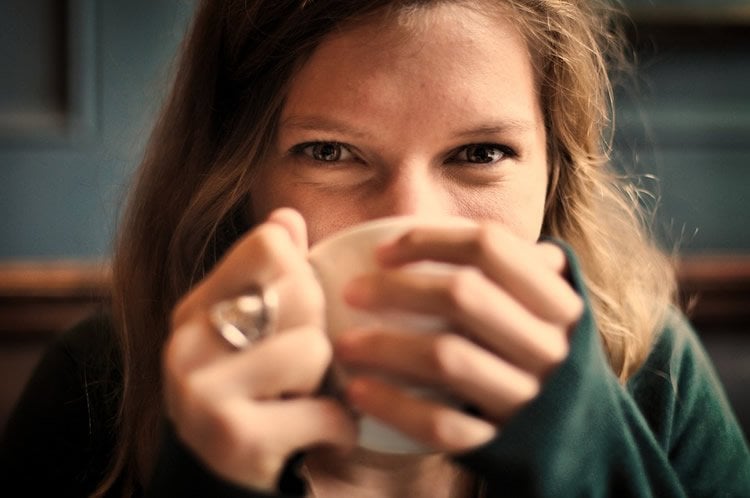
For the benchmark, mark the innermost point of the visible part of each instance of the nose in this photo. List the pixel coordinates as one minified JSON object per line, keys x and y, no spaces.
{"x":413,"y":191}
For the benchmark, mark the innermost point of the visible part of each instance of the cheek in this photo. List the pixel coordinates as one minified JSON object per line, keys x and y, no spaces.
{"x":517,"y":205}
{"x":522,"y":216}
{"x":323,"y":215}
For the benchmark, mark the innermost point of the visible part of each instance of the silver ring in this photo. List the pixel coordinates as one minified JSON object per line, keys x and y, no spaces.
{"x":246,"y":319}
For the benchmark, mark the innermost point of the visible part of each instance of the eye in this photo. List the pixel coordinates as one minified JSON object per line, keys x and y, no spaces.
{"x":482,"y":153}
{"x":328,"y":152}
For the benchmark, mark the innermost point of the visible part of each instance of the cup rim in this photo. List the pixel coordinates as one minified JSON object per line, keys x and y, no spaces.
{"x":395,"y":221}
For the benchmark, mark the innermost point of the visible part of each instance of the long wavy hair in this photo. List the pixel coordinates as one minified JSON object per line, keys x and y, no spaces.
{"x":189,"y":200}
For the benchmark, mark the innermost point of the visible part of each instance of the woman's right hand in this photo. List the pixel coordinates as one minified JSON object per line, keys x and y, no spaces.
{"x":244,"y":413}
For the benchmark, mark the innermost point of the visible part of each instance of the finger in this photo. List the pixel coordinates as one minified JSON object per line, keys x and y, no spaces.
{"x":326,"y":422}
{"x":443,"y":360}
{"x":248,"y":443}
{"x":506,"y":260}
{"x":270,"y":368}
{"x":553,"y":257}
{"x":294,"y":223}
{"x":192,"y":345}
{"x":431,"y":423}
{"x":480,"y":309}
{"x":256,"y":260}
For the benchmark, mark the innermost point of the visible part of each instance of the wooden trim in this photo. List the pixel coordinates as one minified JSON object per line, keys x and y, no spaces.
{"x":713,"y":15}
{"x":41,"y":299}
{"x":661,"y":29}
{"x":54,"y":279}
{"x":715,"y":290}
{"x":74,"y":121}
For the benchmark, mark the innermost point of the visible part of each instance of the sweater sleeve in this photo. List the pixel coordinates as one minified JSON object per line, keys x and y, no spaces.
{"x":668,"y":433}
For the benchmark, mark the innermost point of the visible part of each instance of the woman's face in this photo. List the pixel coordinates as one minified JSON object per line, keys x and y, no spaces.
{"x":439,"y":116}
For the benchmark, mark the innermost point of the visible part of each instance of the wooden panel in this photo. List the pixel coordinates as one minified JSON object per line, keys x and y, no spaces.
{"x":692,"y":72}
{"x":715,"y":291}
{"x":710,"y":15}
{"x":40,"y":299}
{"x":49,"y":95}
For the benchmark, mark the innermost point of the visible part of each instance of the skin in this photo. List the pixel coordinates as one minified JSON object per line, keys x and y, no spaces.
{"x":385,"y":120}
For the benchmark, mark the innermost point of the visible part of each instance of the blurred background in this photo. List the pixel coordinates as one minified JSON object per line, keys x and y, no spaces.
{"x":82,"y":79}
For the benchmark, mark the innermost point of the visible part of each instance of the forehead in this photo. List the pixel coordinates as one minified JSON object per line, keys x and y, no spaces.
{"x":461,"y":59}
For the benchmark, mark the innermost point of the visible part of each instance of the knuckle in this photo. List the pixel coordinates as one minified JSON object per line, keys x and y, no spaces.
{"x":192,"y":386}
{"x":577,"y":307}
{"x":179,"y":312}
{"x":267,"y":463}
{"x":317,"y":347}
{"x":440,"y":428}
{"x":230,"y":443}
{"x":183,"y":311}
{"x":489,"y":238}
{"x":560,"y":351}
{"x":485,"y":240}
{"x":314,"y":298}
{"x":556,"y":350}
{"x":462,"y":288}
{"x":552,"y":255}
{"x":268,"y":237}
{"x":176,"y":353}
{"x":531,"y":389}
{"x":227,"y":432}
{"x":228,"y":438}
{"x":245,"y":447}
{"x":446,"y":357}
{"x":170,"y":358}
{"x":301,"y":300}
{"x":412,"y":238}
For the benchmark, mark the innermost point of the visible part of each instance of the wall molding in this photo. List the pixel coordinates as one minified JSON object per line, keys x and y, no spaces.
{"x":715,"y":290}
{"x":41,"y":299}
{"x":663,"y":36}
{"x":76,"y":119}
{"x":689,"y":16}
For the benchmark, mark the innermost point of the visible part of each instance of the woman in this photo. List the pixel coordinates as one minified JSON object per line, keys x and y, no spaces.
{"x":290,"y":120}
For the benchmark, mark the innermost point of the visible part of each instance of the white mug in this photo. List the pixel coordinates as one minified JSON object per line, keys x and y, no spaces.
{"x":349,"y":253}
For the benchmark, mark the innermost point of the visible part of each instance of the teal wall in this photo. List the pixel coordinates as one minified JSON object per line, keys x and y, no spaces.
{"x":68,"y":148}
{"x":82,"y":79}
{"x":685,"y":118}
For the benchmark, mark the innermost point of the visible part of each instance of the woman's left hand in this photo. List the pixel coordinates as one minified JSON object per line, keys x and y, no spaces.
{"x":511,"y":311}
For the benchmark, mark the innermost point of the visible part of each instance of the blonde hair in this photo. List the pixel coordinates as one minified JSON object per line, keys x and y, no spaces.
{"x":189,"y":201}
{"x":630,"y":280}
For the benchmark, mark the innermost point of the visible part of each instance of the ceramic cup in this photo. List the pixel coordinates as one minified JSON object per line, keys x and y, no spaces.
{"x":349,"y":253}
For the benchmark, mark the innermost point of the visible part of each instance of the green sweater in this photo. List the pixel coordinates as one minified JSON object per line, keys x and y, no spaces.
{"x":668,"y":432}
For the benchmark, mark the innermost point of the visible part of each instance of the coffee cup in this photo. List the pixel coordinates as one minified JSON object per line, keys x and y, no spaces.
{"x":349,"y":253}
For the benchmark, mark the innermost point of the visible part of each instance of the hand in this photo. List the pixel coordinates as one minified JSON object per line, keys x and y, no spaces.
{"x":243,"y":413}
{"x":511,"y":310}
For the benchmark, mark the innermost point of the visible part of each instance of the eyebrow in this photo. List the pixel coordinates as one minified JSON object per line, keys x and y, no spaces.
{"x":320,"y":123}
{"x":514,"y":126}
{"x":324,"y":124}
